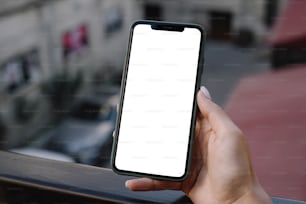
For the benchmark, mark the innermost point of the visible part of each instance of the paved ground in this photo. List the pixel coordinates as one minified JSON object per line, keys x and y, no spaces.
{"x":226,"y":64}
{"x":270,"y":109}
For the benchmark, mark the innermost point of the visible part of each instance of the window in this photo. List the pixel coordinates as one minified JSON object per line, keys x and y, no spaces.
{"x":74,"y":41}
{"x":220,"y":25}
{"x":20,"y":70}
{"x":153,"y":12}
{"x":114,"y":20}
{"x":270,"y":12}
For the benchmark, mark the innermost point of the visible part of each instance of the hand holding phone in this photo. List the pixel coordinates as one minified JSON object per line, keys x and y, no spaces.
{"x":221,"y":169}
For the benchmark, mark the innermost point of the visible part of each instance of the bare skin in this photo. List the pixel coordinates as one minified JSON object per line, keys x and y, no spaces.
{"x":221,"y":169}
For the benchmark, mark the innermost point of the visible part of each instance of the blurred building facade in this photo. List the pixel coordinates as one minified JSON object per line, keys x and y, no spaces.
{"x":39,"y":38}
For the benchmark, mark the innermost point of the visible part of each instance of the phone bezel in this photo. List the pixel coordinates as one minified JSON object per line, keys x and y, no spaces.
{"x":165,"y":25}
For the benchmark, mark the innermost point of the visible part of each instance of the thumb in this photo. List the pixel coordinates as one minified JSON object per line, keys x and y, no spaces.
{"x":217,"y":118}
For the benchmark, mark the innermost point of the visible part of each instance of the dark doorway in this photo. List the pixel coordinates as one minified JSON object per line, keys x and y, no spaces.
{"x":220,"y":25}
{"x":271,"y":7}
{"x":153,"y":12}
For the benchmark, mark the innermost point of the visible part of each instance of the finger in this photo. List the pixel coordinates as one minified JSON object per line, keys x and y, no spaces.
{"x":147,"y":184}
{"x":202,"y":125}
{"x":206,"y":92}
{"x":216,"y":117}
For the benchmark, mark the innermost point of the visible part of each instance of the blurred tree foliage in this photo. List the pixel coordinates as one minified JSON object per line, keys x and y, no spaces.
{"x":61,"y":88}
{"x":25,"y":108}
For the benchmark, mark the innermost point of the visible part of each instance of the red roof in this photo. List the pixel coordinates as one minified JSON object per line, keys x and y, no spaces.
{"x":290,"y":25}
{"x":271,"y":110}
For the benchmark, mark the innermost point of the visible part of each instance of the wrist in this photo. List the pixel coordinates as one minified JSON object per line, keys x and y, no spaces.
{"x":255,"y":195}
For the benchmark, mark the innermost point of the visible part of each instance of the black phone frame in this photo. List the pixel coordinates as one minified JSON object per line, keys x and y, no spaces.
{"x":160,"y":25}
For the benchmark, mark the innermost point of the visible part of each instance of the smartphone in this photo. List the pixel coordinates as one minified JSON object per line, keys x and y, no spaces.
{"x":157,"y":111}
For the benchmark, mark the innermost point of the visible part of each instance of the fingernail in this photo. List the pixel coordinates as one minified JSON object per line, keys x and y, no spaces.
{"x":205,"y":92}
{"x":127,"y":184}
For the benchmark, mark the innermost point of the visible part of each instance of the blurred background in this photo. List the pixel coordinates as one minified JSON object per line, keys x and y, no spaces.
{"x":61,"y":63}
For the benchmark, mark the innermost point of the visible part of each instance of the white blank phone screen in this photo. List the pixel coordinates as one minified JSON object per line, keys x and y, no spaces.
{"x":158,"y":101}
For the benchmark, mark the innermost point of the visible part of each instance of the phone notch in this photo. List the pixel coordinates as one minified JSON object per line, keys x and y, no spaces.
{"x":167,"y":27}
